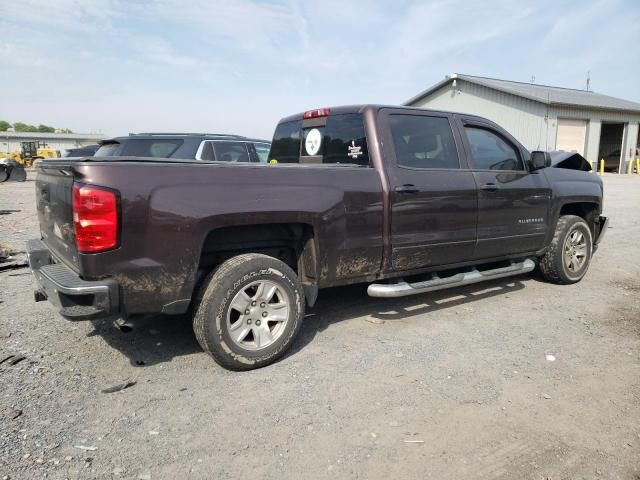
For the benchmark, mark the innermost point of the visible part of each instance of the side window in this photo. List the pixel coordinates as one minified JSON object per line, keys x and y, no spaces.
{"x":423,"y":142}
{"x":262,"y":150}
{"x":344,"y":140}
{"x":285,"y":147}
{"x":490,"y":152}
{"x":231,"y":152}
{"x":206,"y":151}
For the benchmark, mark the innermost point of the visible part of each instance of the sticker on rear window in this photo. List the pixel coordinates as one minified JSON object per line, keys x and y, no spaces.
{"x":354,"y":150}
{"x":313,"y":141}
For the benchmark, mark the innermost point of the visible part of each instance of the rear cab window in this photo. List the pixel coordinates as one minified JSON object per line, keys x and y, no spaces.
{"x":325,"y":140}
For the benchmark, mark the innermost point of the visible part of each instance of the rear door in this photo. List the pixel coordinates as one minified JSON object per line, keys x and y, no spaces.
{"x":328,"y":157}
{"x":513,"y":204}
{"x":432,"y":192}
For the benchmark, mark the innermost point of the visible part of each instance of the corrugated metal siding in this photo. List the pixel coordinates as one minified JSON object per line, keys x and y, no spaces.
{"x":534,"y":124}
{"x":522,"y":118}
{"x":14,"y":145}
{"x":11,"y":141}
{"x":602,"y":115}
{"x":595,"y":119}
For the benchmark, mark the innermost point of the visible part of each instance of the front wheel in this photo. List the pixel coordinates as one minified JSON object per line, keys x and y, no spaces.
{"x":249,"y":311}
{"x":569,"y":254}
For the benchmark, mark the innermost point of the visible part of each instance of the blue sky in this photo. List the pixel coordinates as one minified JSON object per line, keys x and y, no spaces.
{"x":237,"y":66}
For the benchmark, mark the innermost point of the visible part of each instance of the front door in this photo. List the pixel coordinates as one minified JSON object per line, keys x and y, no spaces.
{"x":432,"y":192}
{"x":513,"y":203}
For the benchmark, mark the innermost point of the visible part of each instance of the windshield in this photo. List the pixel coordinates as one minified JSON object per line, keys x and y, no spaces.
{"x":159,"y":148}
{"x":141,"y":147}
{"x":107,"y":150}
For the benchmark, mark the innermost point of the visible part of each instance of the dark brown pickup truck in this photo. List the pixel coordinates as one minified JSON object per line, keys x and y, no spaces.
{"x":407,"y":200}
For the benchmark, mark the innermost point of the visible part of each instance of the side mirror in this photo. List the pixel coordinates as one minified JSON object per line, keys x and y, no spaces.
{"x":539,"y":160}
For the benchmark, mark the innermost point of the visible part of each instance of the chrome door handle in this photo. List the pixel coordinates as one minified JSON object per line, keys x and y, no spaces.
{"x":407,"y":188}
{"x":490,"y":187}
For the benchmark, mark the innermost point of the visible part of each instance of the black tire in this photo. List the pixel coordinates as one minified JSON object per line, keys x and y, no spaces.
{"x":213,"y":318}
{"x":552,"y":264}
{"x":3,"y":173}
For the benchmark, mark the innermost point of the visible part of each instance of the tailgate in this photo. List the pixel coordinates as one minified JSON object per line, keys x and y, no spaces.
{"x":55,"y":212}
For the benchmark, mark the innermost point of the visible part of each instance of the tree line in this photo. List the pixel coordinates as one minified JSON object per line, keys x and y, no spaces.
{"x":25,"y":127}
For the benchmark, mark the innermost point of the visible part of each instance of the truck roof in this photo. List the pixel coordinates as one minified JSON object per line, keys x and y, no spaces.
{"x":364,"y":107}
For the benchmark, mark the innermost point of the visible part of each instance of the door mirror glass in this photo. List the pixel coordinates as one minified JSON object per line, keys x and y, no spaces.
{"x":540,"y":160}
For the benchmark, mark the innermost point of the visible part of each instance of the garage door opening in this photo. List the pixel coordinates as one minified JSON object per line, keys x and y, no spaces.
{"x":571,"y":135}
{"x":611,"y":145}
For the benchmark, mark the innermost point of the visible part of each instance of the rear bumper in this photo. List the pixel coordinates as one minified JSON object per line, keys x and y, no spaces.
{"x":601,"y":229}
{"x":75,"y":298}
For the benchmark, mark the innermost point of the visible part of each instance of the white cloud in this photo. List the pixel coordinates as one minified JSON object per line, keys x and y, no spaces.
{"x":65,"y":14}
{"x":245,"y":24}
{"x":158,"y":51}
{"x":240,"y":65}
{"x":13,"y":54}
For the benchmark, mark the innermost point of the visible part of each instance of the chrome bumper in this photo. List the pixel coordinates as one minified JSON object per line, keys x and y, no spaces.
{"x":75,"y":298}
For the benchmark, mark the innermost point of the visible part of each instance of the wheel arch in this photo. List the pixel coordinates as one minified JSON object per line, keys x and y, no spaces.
{"x":587,"y":209}
{"x":294,"y":243}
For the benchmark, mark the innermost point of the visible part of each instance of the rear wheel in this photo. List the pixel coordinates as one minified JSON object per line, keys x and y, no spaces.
{"x":569,"y":254}
{"x":249,"y":311}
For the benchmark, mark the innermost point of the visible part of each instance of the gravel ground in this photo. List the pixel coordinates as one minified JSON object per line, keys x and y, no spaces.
{"x":453,"y":384}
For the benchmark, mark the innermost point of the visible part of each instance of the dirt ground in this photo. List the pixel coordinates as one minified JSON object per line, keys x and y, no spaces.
{"x":454,"y":384}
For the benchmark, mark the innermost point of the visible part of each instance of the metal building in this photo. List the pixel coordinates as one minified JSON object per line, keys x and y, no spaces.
{"x":544,"y":117}
{"x":10,"y":141}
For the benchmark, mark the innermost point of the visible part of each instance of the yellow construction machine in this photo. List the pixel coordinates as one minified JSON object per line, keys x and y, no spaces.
{"x":31,"y":151}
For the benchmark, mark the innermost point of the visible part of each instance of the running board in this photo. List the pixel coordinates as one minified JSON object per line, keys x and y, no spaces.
{"x":403,"y":289}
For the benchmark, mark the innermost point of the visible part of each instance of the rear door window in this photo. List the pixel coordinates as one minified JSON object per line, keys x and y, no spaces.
{"x":340,"y":140}
{"x":423,"y":141}
{"x":231,"y":152}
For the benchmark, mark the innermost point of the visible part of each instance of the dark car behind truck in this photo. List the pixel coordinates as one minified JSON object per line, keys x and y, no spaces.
{"x":406,"y":200}
{"x":189,"y":146}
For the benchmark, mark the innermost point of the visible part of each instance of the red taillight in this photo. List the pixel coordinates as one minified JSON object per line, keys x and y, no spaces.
{"x":320,"y":112}
{"x":95,"y":218}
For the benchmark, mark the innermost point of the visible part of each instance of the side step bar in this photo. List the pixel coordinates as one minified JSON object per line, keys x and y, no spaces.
{"x":403,"y":289}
